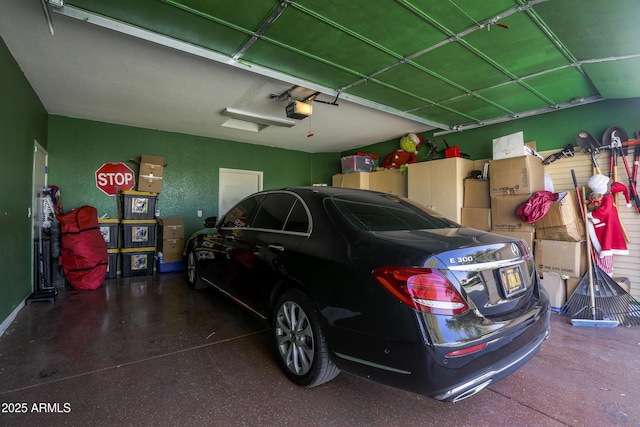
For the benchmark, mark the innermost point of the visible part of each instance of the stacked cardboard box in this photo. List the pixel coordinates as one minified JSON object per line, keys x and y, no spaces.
{"x":151,"y":172}
{"x":562,"y":221}
{"x":560,"y":244}
{"x":476,"y":208}
{"x":170,"y":244}
{"x":512,"y":182}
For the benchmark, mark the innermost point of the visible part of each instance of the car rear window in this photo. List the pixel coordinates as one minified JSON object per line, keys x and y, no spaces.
{"x":401,"y":215}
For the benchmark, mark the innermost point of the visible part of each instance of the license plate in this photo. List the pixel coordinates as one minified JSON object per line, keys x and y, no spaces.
{"x":511,"y":278}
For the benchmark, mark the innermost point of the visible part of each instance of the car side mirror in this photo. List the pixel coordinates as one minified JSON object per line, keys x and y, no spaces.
{"x":211,"y":221}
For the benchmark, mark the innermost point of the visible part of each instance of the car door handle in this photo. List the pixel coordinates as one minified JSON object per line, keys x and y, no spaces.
{"x":278,"y":248}
{"x":229,"y":237}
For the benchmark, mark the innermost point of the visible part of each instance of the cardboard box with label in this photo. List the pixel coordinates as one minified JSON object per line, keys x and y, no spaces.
{"x":556,"y":256}
{"x":516,"y":176}
{"x":171,"y":239}
{"x":476,"y":193}
{"x":170,"y":228}
{"x":503,"y":214}
{"x":478,"y":218}
{"x":171,"y":249}
{"x":151,"y":172}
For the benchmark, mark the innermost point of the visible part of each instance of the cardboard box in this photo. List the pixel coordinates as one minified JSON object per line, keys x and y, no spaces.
{"x":555,"y":286}
{"x":479,"y":218}
{"x":570,"y":233}
{"x":572,"y":283}
{"x":171,"y":249}
{"x":509,"y":146}
{"x":556,"y":256}
{"x":562,"y":221}
{"x":516,"y":176}
{"x":503,"y":214}
{"x":151,"y":184}
{"x":476,"y":193}
{"x":565,"y":211}
{"x":170,"y":228}
{"x":527,"y":236}
{"x":151,"y":173}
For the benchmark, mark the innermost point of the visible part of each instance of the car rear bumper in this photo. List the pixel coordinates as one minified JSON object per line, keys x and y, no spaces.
{"x":492,"y":373}
{"x":418,"y":368}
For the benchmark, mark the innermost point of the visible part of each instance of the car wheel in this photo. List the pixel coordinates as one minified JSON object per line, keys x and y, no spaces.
{"x":300,"y":345}
{"x":193,"y":279}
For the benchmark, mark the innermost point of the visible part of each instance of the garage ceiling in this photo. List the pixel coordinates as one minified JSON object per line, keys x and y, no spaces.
{"x":391,"y":67}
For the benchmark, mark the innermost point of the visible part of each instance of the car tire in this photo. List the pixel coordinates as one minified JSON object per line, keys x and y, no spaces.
{"x":193,"y":277}
{"x":301,"y":347}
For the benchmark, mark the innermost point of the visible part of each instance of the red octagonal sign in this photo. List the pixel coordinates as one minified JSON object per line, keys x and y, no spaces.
{"x":114,"y":177}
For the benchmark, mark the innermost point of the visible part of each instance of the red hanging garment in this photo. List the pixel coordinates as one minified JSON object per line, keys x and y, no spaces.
{"x":83,"y":253}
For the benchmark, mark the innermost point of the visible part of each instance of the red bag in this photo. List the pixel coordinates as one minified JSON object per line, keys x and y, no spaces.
{"x":537,"y":206}
{"x":83,"y":255}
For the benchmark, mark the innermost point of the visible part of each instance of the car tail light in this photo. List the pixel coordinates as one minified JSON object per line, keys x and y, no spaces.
{"x":424,"y":289}
{"x":467,"y":350}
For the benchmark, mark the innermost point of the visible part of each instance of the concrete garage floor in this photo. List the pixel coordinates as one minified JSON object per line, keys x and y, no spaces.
{"x":150,"y":351}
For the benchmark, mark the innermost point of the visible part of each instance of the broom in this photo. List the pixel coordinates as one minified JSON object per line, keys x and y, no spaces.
{"x":598,"y":300}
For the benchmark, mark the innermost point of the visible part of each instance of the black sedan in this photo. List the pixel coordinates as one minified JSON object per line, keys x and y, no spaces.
{"x":377,"y":286}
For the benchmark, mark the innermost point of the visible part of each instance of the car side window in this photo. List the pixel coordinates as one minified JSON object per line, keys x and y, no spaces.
{"x":298,"y":220}
{"x":241,"y":215}
{"x":274,"y":211}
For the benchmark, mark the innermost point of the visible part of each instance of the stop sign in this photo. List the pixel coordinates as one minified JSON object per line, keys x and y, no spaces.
{"x":114,"y":177}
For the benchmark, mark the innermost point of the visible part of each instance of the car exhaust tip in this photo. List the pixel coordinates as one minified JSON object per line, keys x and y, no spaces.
{"x":471,"y":392}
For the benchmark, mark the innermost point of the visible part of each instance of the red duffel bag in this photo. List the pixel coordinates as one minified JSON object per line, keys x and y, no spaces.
{"x":83,"y":252}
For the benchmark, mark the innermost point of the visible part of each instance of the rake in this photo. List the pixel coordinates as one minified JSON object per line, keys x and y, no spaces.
{"x":598,"y":300}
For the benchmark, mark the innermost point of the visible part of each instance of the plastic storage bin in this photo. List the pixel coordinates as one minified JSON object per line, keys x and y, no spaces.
{"x":137,"y":261}
{"x":138,"y":233}
{"x":109,"y":228}
{"x":112,"y":268}
{"x":357,"y":163}
{"x":137,"y":204}
{"x":168,"y":267}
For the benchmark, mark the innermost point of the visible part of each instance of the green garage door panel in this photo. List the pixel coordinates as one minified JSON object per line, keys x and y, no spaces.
{"x":613,"y":81}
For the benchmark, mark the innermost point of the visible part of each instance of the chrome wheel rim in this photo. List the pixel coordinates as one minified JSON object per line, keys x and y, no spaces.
{"x":191,"y":267}
{"x":294,"y":336}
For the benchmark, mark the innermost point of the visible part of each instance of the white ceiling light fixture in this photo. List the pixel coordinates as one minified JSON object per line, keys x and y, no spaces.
{"x":259,"y":121}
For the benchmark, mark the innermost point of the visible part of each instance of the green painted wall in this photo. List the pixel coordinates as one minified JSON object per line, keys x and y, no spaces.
{"x":550,"y":131}
{"x":22,"y":120}
{"x":77,"y":148}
